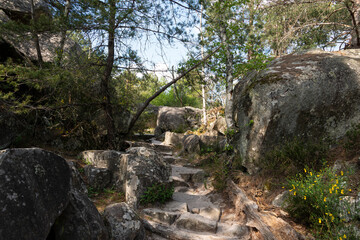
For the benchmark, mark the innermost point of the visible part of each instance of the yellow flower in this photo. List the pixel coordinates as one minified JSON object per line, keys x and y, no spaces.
{"x":344,"y":235}
{"x":294,"y":193}
{"x":340,"y":238}
{"x":330,"y":190}
{"x":310,"y":173}
{"x":324,"y":199}
{"x":319,"y":220}
{"x":349,"y":190}
{"x":305,"y":170}
{"x":342,"y":173}
{"x":342,"y":191}
{"x":304,"y":197}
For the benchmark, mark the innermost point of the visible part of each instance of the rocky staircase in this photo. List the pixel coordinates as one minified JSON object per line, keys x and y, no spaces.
{"x":197,"y":212}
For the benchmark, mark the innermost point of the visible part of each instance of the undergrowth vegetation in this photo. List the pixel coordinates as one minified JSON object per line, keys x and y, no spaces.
{"x":318,"y":199}
{"x":157,"y":193}
{"x":294,"y":156}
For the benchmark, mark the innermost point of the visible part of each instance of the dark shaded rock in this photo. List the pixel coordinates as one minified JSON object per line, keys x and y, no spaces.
{"x":177,"y":119}
{"x":309,"y":96}
{"x":9,"y":128}
{"x":80,"y":220}
{"x":97,"y":178}
{"x":191,"y":144}
{"x":213,"y":143}
{"x":77,"y":182}
{"x":34,"y":191}
{"x":123,"y":223}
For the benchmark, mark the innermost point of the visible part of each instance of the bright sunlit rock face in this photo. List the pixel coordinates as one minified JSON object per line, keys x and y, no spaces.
{"x":310,"y":96}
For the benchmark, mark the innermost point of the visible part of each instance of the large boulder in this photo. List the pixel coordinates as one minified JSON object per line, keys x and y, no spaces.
{"x":191,"y":144}
{"x":123,"y":222}
{"x":311,"y":96}
{"x":145,"y":168}
{"x":132,"y":172}
{"x":19,"y":11}
{"x":177,"y":119}
{"x":44,"y":195}
{"x":34,"y":191}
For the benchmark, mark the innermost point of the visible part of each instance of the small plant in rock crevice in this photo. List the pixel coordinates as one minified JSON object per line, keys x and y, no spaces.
{"x":318,"y":199}
{"x":157,"y":193}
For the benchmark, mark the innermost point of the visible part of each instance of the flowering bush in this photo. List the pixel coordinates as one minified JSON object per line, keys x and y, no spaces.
{"x":318,"y":199}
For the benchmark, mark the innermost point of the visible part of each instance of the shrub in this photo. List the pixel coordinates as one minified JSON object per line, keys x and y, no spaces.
{"x":294,"y":156}
{"x":352,"y":140}
{"x":158,"y":192}
{"x":318,"y":199}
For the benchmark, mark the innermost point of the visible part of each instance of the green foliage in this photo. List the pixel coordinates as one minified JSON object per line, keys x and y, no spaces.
{"x":317,"y":198}
{"x":352,"y":140}
{"x":228,"y":148}
{"x":230,"y":132}
{"x":294,"y":156}
{"x":206,"y":150}
{"x":220,"y":173}
{"x":158,"y":192}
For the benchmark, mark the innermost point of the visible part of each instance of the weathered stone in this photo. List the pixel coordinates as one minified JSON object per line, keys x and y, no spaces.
{"x":232,"y":230}
{"x":212,"y":213}
{"x":173,"y":139}
{"x":161,"y":216}
{"x":195,"y":223}
{"x":34,"y":191}
{"x":177,"y":119}
{"x":144,"y":169}
{"x":175,"y":206}
{"x":280,"y":199}
{"x":309,"y":96}
{"x":191,"y":144}
{"x":219,"y":125}
{"x":123,"y":222}
{"x":213,"y":143}
{"x":97,"y":178}
{"x":114,"y":161}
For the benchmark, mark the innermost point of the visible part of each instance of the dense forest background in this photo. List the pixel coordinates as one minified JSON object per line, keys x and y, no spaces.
{"x":84,"y":79}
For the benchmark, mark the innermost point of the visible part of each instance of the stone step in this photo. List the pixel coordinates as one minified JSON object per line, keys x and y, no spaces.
{"x":160,"y":216}
{"x":196,"y":223}
{"x":190,"y":175}
{"x":174,"y":233}
{"x":156,"y":147}
{"x":209,"y":212}
{"x":169,"y":158}
{"x":232,"y":230}
{"x":175,"y":206}
{"x":193,"y":200}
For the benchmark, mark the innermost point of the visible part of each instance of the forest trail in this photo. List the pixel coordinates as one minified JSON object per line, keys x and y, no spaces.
{"x":197,"y":212}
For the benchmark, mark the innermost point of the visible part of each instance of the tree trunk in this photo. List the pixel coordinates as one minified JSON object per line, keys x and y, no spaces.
{"x":203,"y":71}
{"x":60,"y":51}
{"x":147,"y":102}
{"x":34,"y":34}
{"x":105,"y":83}
{"x":355,"y":36}
{"x":229,"y":76}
